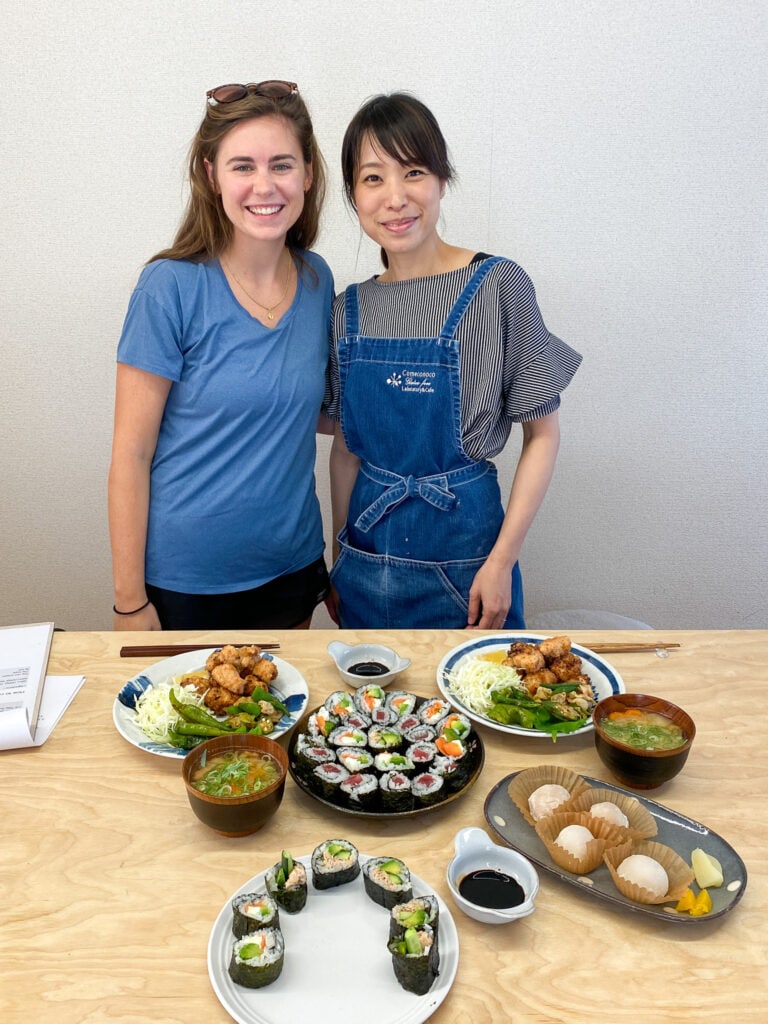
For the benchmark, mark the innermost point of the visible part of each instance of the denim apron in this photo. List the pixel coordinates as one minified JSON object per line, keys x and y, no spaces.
{"x":423,"y":516}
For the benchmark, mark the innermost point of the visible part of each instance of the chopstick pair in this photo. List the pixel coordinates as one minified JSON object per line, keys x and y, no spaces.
{"x":619,"y":648}
{"x":166,"y":650}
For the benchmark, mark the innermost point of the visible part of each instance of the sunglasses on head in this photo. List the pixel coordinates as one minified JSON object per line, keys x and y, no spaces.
{"x":232,"y":93}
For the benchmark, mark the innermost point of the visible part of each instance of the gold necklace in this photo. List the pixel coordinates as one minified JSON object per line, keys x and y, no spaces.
{"x":269,"y":310}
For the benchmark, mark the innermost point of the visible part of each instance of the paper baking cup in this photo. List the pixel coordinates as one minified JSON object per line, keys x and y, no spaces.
{"x":606,"y":835}
{"x":525,"y":782}
{"x":679,"y":873}
{"x":642,"y":824}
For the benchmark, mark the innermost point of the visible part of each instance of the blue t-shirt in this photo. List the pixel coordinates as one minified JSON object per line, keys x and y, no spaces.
{"x":232,"y":489}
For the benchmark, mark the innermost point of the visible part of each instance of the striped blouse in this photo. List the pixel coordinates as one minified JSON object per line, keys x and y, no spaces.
{"x":512,"y":369}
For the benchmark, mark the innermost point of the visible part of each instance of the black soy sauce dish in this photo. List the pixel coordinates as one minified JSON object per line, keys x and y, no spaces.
{"x":491,"y":883}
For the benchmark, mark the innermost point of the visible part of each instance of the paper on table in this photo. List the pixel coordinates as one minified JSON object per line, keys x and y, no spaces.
{"x":58,"y":692}
{"x":24,"y":654}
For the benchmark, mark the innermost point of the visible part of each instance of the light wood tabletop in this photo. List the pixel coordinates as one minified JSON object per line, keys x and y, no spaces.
{"x":110,"y":886}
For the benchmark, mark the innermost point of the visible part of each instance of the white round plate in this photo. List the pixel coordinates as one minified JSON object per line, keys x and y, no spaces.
{"x":322,"y":980}
{"x":290,"y":687}
{"x":604,"y":678}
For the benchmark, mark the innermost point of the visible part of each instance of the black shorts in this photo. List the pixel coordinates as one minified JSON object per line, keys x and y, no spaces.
{"x":283,"y":603}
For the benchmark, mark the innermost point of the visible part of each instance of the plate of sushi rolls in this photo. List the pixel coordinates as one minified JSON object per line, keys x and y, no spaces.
{"x":384,"y":753}
{"x":275,"y":947}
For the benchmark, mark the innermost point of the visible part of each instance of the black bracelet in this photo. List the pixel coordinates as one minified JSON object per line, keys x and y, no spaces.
{"x":135,"y":610}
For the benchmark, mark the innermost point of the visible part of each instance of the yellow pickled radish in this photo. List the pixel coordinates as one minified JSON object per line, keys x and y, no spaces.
{"x":708,"y":872}
{"x":686,"y":901}
{"x":701,"y":905}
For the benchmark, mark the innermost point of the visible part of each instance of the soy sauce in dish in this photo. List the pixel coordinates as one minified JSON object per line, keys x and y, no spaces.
{"x":489,"y":888}
{"x":368,"y":668}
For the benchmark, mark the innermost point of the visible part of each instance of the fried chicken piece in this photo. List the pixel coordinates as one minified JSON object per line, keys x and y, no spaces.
{"x":566,"y":668}
{"x":534,"y":680}
{"x":226,"y":675}
{"x":555,"y":647}
{"x":217,"y":699}
{"x":524,"y":657}
{"x":265,"y":671}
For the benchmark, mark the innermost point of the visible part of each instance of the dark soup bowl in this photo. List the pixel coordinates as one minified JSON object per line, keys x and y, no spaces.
{"x":242,"y":779}
{"x":627,"y":729}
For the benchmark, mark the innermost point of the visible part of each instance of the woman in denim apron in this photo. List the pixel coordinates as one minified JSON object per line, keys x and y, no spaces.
{"x":423,"y":538}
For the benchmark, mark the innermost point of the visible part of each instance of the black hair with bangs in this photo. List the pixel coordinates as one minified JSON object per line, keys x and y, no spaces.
{"x":404,"y":128}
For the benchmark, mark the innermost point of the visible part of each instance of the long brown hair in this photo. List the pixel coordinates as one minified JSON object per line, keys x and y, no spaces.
{"x":205,"y":229}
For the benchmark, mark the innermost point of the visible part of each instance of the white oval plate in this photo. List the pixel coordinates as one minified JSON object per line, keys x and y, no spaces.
{"x":315,"y":984}
{"x":604,"y":678}
{"x":290,"y":687}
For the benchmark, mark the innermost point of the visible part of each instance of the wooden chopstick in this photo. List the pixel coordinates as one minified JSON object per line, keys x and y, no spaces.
{"x":619,"y":648}
{"x":166,"y":650}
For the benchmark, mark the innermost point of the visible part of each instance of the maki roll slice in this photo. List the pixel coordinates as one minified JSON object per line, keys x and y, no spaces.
{"x":327,"y":778}
{"x":346,"y":736}
{"x":310,"y":756}
{"x":368,"y":697}
{"x":322,"y":723}
{"x":339,"y":704}
{"x":387,"y":881}
{"x":334,"y":862}
{"x":360,"y":791}
{"x":427,"y":789}
{"x":252,"y":912}
{"x":383,"y":716}
{"x":420,"y":733}
{"x":287,"y":883}
{"x":415,"y":913}
{"x":396,"y":792}
{"x":402,"y":703}
{"x":422,"y":753}
{"x":384,"y":737}
{"x":355,"y":759}
{"x":434,"y":710}
{"x":391,"y":761}
{"x":415,"y":959}
{"x":257,"y":959}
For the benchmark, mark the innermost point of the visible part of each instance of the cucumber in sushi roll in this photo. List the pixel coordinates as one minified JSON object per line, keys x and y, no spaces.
{"x":369,"y":696}
{"x":414,"y":913}
{"x":334,"y":862}
{"x":252,"y":912}
{"x":287,"y":883}
{"x":257,"y":959}
{"x":401,"y":702}
{"x":387,"y":881}
{"x":415,"y":959}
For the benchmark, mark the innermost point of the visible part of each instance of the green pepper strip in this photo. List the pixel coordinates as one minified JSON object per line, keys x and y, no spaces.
{"x":253,"y":708}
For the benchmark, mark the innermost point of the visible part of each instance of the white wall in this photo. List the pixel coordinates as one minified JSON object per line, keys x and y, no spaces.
{"x":616,"y":149}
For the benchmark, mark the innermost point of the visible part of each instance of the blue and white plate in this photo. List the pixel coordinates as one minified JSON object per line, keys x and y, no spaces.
{"x":604,"y":678}
{"x":289,"y":687}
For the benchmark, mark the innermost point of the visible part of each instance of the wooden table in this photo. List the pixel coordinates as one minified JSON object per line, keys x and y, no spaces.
{"x":110,"y":886}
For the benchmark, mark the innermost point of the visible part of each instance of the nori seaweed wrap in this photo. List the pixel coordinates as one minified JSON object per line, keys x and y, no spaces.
{"x":257,"y":960}
{"x":355,"y":759}
{"x":360,"y":790}
{"x":369,"y":696}
{"x":327,"y":778}
{"x":287,"y":883}
{"x":253,"y":912}
{"x":401,"y":702}
{"x":395,"y":790}
{"x":387,"y":881}
{"x":334,"y":862}
{"x":415,"y":959}
{"x":310,"y":756}
{"x":384,"y":737}
{"x":427,"y":788}
{"x":346,"y":736}
{"x":340,"y":704}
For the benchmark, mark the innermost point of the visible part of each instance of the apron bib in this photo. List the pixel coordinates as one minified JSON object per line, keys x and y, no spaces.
{"x":423,"y":516}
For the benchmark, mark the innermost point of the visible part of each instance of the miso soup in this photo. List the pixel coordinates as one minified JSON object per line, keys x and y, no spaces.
{"x":236,"y":773}
{"x":645,"y":730}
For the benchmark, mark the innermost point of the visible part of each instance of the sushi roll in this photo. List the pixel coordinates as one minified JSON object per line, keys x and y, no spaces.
{"x":384,"y":737}
{"x":402,"y":703}
{"x":415,"y":959}
{"x":420,"y":733}
{"x":339,"y":704}
{"x":391,"y":761}
{"x":309,"y":757}
{"x":387,"y":881}
{"x":252,"y":912}
{"x":368,"y":697}
{"x":427,"y":789}
{"x":408,"y":722}
{"x":327,"y":778}
{"x":334,"y":862}
{"x":286,"y":883}
{"x":433,"y":710}
{"x":360,"y":790}
{"x":257,"y":959}
{"x":346,"y":736}
{"x":453,"y":734}
{"x":383,"y":716}
{"x":355,"y":759}
{"x":395,"y":789}
{"x":452,"y":772}
{"x":422,"y":754}
{"x":322,"y":723}
{"x":414,"y":913}
{"x":357,"y":720}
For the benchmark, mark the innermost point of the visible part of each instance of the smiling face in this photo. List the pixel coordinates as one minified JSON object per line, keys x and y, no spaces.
{"x":261,"y":176}
{"x":398,"y":204}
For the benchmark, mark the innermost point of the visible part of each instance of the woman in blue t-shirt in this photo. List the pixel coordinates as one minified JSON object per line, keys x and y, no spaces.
{"x":213,"y":515}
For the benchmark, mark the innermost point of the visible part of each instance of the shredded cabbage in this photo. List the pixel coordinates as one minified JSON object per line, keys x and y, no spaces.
{"x":155,"y":715}
{"x":476,"y":679}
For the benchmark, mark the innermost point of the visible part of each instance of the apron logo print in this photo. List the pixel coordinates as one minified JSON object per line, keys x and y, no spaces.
{"x":395,"y":380}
